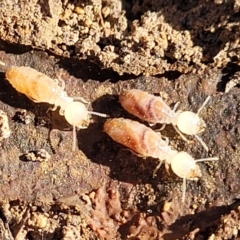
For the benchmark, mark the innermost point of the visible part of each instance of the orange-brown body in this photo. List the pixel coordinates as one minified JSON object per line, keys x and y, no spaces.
{"x":146,"y":106}
{"x":138,"y":137}
{"x":41,"y":88}
{"x":37,"y":86}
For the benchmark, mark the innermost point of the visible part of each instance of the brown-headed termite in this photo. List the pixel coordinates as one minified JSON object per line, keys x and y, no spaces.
{"x":41,"y":88}
{"x":146,"y":142}
{"x":154,"y":110}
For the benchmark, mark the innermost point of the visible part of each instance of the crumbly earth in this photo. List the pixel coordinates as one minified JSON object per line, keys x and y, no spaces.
{"x":134,"y":37}
{"x":102,"y":190}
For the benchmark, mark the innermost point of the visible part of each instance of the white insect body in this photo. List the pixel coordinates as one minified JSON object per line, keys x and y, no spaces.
{"x":148,"y":143}
{"x":154,"y":110}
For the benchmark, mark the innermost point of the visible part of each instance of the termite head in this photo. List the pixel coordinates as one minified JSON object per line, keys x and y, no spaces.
{"x":184,"y":166}
{"x":76,"y":114}
{"x":189,"y":122}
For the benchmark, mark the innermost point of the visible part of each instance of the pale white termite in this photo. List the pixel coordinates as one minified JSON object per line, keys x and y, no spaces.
{"x":41,"y":88}
{"x":154,"y":110}
{"x":148,"y":143}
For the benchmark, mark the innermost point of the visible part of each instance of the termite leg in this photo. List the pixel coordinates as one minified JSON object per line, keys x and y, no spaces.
{"x":181,"y":135}
{"x":74,"y":139}
{"x":62,"y":82}
{"x":52,"y":108}
{"x":159,"y":129}
{"x":61,"y":112}
{"x":167,"y":167}
{"x":156,"y":169}
{"x":137,"y":154}
{"x":184,"y":187}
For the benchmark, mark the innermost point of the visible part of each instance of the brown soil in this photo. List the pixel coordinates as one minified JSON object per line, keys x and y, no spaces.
{"x":102,"y":190}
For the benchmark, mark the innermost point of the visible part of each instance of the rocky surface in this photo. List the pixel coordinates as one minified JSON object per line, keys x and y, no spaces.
{"x":102,"y":190}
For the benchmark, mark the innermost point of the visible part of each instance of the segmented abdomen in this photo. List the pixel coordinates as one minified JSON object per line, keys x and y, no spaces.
{"x":136,"y":136}
{"x":146,"y":106}
{"x":35,"y":85}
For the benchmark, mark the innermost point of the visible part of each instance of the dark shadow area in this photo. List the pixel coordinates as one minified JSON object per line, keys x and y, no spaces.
{"x":14,"y":48}
{"x":49,"y":63}
{"x":170,"y":75}
{"x":32,"y":235}
{"x":45,"y":8}
{"x":207,"y":221}
{"x":228,"y":72}
{"x":85,"y":70}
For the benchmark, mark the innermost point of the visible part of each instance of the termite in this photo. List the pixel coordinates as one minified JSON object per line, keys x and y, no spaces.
{"x":41,"y":88}
{"x":154,"y":110}
{"x":139,"y":138}
{"x":147,"y":143}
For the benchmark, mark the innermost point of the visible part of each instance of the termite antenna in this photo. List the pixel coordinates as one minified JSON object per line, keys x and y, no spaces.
{"x":184,"y":166}
{"x":203,"y":105}
{"x":156,"y":169}
{"x":201,"y":141}
{"x":184,"y":189}
{"x":180,"y":134}
{"x":158,"y":129}
{"x":207,"y":159}
{"x":98,"y":114}
{"x":198,"y":112}
{"x":74,"y":139}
